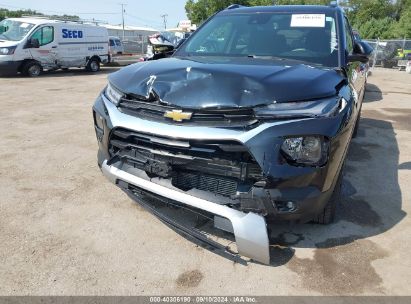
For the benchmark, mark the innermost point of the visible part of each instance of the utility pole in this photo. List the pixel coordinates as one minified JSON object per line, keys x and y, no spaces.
{"x":122,"y":15}
{"x":164,"y":20}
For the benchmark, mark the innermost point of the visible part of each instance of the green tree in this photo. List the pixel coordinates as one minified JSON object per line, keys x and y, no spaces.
{"x":5,"y":13}
{"x":376,"y":28}
{"x":402,"y":29}
{"x":198,"y":11}
{"x":361,"y":11}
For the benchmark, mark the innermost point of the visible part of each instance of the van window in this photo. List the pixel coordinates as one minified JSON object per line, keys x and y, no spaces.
{"x":45,"y":35}
{"x":118,"y":42}
{"x":112,"y":42}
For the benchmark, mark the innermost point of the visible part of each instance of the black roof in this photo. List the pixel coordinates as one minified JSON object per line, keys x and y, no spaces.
{"x":283,"y":9}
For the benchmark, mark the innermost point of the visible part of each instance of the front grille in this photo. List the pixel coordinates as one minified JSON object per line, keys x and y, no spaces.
{"x":219,"y":167}
{"x":154,"y":111}
{"x":215,"y":184}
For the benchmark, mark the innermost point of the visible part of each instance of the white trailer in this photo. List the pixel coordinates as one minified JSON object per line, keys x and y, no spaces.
{"x":30,"y":45}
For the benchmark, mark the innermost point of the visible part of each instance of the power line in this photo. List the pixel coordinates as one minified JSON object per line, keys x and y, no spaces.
{"x":146,"y":21}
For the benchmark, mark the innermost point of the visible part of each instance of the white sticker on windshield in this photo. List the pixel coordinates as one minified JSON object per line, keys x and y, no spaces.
{"x":308,"y":20}
{"x":24,"y":25}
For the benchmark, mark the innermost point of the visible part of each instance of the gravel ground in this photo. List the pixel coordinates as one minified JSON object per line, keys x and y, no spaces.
{"x":65,"y":230}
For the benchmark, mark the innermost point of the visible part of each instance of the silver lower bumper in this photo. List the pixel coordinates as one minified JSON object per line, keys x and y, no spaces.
{"x":250,"y":229}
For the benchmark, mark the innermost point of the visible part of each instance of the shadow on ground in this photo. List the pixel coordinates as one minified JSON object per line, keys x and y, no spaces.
{"x":405,"y":166}
{"x":372,"y":93}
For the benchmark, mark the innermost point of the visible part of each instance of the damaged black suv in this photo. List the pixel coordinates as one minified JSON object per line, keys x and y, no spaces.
{"x":249,"y":121}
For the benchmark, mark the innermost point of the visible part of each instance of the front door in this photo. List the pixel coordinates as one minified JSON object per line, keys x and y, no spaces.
{"x":46,"y":53}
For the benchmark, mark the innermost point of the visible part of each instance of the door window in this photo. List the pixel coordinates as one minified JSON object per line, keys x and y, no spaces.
{"x":348,"y":37}
{"x":45,"y":35}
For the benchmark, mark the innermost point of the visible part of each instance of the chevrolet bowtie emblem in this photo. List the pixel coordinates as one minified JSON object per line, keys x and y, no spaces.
{"x":178,"y":115}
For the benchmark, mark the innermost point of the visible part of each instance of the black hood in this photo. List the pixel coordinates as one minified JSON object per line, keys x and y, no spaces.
{"x":225,"y":83}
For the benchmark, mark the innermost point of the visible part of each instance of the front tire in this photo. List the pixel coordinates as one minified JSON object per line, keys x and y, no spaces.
{"x":32,"y":69}
{"x":93,"y":65}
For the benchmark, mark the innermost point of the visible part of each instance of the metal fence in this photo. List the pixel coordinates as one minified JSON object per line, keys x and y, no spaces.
{"x":135,"y":44}
{"x":390,"y":53}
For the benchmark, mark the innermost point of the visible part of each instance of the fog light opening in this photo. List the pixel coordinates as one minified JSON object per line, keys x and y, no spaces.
{"x":99,"y":121}
{"x":285,"y":207}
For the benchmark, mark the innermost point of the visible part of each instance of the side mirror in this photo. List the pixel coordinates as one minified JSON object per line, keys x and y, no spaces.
{"x":362,"y":52}
{"x":33,"y":43}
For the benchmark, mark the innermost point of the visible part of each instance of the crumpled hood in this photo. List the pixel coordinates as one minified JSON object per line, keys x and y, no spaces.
{"x":225,"y":83}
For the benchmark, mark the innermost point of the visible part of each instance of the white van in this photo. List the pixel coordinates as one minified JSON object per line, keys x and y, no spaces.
{"x":116,"y":47}
{"x":30,"y":45}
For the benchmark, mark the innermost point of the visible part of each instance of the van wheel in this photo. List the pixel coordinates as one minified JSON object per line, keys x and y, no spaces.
{"x":327,"y":215}
{"x":93,"y":65}
{"x":32,"y":69}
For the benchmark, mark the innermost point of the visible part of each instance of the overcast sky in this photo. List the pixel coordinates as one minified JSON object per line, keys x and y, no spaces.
{"x":138,"y":12}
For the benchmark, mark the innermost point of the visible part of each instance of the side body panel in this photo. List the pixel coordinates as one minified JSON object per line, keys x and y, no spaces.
{"x":77,"y":43}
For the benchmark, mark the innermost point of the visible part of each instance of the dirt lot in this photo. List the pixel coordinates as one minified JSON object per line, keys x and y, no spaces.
{"x":65,"y":230}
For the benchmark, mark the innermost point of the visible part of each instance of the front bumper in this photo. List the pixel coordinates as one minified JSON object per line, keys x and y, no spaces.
{"x":310,"y":188}
{"x":249,"y":229}
{"x":9,"y":67}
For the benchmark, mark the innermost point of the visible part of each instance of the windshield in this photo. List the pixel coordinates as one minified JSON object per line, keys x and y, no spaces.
{"x":307,"y":37}
{"x":14,"y":30}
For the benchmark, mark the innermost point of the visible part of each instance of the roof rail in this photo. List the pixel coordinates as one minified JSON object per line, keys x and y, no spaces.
{"x":35,"y":16}
{"x":334,"y":3}
{"x":65,"y":19}
{"x":234,"y":6}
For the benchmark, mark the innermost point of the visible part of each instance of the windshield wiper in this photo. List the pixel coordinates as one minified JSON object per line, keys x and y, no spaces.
{"x":265,"y":57}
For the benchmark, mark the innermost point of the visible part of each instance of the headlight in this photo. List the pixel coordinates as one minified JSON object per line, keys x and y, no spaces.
{"x":7,"y":51}
{"x":113,"y":94}
{"x":318,"y":108}
{"x":307,"y":150}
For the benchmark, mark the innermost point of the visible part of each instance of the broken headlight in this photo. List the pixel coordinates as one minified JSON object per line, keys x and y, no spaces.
{"x":113,"y":94}
{"x":306,"y":150}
